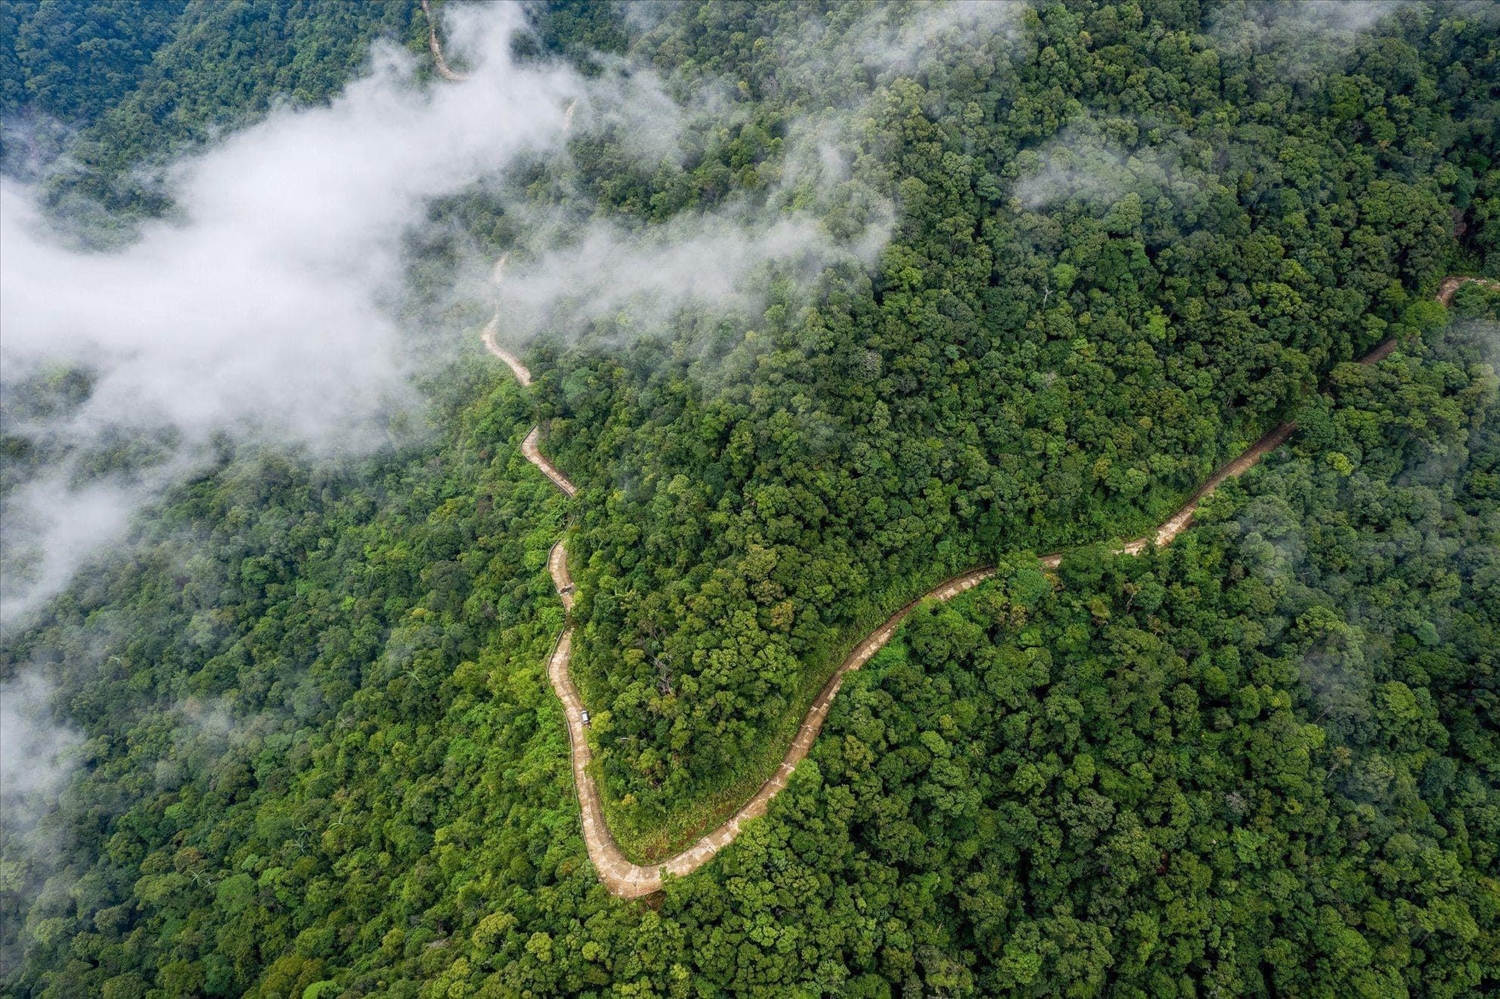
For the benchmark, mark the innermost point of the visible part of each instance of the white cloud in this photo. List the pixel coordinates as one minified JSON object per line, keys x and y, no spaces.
{"x":723,"y":260}
{"x":1304,"y":36}
{"x":1083,"y":162}
{"x":37,"y":755}
{"x":912,"y":40}
{"x":266,"y":307}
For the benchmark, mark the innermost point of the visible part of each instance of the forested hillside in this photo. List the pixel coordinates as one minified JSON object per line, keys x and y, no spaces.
{"x":312,"y":747}
{"x":1125,"y":247}
{"x":141,"y":80}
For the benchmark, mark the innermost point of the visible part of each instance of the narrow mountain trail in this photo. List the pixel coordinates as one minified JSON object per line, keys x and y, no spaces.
{"x":630,"y":880}
{"x":616,"y":871}
{"x":1450,"y":286}
{"x":436,"y":48}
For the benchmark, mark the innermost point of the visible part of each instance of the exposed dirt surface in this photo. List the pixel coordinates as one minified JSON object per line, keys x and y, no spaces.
{"x":535,"y":456}
{"x":436,"y":47}
{"x":523,"y":375}
{"x":1450,"y":286}
{"x":622,"y":877}
{"x":630,"y":880}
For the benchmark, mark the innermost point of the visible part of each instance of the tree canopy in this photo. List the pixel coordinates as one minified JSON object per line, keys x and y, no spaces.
{"x":317,"y":755}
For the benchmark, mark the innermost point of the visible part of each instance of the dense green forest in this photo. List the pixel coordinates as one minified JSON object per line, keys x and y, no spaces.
{"x":318,"y":755}
{"x":1015,"y":375}
{"x":133,"y":83}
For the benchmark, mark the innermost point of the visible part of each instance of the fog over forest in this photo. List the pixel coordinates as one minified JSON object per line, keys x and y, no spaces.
{"x":269,"y":305}
{"x":863,"y":339}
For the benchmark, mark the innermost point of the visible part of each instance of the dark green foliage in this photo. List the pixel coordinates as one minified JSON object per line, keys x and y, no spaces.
{"x":73,"y":59}
{"x":580,"y":31}
{"x":1034,"y":374}
{"x":1260,"y":762}
{"x":273,"y":618}
{"x":320,"y":756}
{"x":144,"y":81}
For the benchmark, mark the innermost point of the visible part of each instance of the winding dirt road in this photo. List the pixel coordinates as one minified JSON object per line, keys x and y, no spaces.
{"x":1450,"y":286}
{"x":619,"y":875}
{"x":630,"y":880}
{"x":436,"y":48}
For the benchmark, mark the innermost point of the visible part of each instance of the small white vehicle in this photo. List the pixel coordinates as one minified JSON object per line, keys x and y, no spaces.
{"x":585,"y":717}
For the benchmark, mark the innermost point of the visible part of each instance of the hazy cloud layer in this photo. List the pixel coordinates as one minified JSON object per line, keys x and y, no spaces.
{"x":267,"y":309}
{"x":1075,"y":164}
{"x":909,"y":39}
{"x":632,"y":106}
{"x":1304,"y":35}
{"x":37,"y":755}
{"x":815,"y":216}
{"x":1085,"y":161}
{"x":1323,"y":17}
{"x":1099,"y":160}
{"x":269,"y":306}
{"x":721,"y":260}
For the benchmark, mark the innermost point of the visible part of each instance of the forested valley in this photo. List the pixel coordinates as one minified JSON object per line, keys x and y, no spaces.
{"x":1050,"y":265}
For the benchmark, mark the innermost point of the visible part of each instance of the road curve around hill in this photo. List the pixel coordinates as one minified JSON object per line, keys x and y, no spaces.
{"x":619,"y":875}
{"x":629,"y":880}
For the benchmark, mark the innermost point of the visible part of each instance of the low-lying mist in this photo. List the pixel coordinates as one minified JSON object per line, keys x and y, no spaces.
{"x":268,"y":308}
{"x":274,"y":305}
